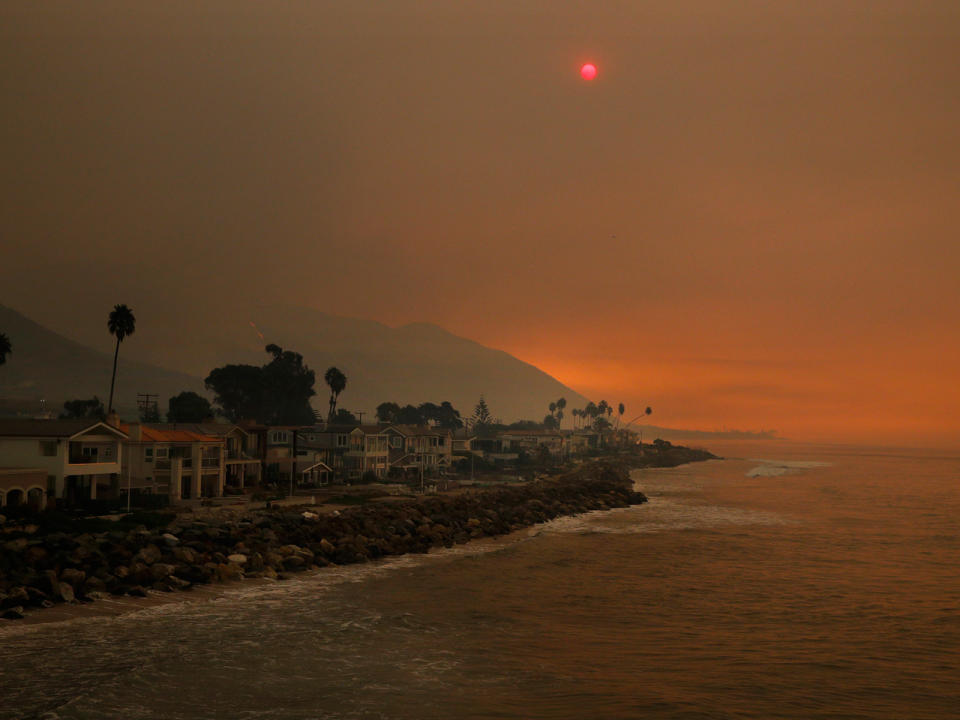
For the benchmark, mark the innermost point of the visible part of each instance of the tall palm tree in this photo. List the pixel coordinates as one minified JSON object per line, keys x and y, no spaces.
{"x":620,"y":408}
{"x":561,"y":404}
{"x":121,"y":324}
{"x":336,"y":381}
{"x":5,"y":348}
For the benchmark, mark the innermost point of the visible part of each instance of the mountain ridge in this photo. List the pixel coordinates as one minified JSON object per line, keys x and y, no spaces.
{"x":411,"y":363}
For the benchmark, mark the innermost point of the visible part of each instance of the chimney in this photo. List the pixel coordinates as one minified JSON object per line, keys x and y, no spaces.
{"x":113,"y":419}
{"x":135,"y":432}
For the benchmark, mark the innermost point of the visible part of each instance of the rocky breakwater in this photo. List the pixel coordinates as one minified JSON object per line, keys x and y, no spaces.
{"x":44,"y":563}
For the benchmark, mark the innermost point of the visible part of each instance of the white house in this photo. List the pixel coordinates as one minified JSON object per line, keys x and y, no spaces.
{"x":81,"y":459}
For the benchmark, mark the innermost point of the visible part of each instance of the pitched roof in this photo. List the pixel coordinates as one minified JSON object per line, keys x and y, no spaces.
{"x":537,"y":431}
{"x":28,"y":427}
{"x":215,"y":429}
{"x":420,"y":430}
{"x":155,"y":434}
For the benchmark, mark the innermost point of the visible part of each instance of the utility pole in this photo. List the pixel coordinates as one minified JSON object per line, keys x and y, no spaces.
{"x":147,"y":402}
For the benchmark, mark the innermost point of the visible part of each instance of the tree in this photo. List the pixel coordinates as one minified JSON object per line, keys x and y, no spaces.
{"x":344,"y":417}
{"x":121,"y":324}
{"x":288,"y":387}
{"x":590,"y":411}
{"x":337,"y":382}
{"x":188,"y":407}
{"x":410,"y":415}
{"x":620,"y":408}
{"x":429,"y":412}
{"x":481,"y":413}
{"x":448,"y":416}
{"x":550,"y":422}
{"x":277,"y":393}
{"x":238,"y":391}
{"x":6,"y":347}
{"x":387,"y":412}
{"x":91,"y":409}
{"x":561,"y":404}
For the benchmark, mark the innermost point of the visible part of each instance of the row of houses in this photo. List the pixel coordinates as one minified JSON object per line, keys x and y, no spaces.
{"x":77,"y":461}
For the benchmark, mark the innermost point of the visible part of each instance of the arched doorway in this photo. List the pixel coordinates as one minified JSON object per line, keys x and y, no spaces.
{"x":35,"y":498}
{"x":14,"y":497}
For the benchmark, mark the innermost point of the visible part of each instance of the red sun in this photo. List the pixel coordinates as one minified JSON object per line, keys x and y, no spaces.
{"x":588,"y":71}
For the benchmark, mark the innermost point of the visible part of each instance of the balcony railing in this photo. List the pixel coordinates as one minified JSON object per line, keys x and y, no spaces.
{"x":81,"y":459}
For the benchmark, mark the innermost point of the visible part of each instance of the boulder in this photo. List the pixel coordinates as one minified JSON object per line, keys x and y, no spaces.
{"x":185,"y":554}
{"x":162,"y":570}
{"x":73,"y":576}
{"x":294,"y":562}
{"x":170,"y":539}
{"x":237,"y":558}
{"x":15,"y":596}
{"x":13,"y":613}
{"x":149,"y":554}
{"x":66,"y":592}
{"x":137,"y":591}
{"x":229,"y":571}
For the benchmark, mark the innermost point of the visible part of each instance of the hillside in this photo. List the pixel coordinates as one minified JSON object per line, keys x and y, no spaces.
{"x":408,"y":364}
{"x":45,"y":365}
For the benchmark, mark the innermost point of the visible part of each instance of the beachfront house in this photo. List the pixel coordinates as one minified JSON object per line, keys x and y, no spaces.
{"x":79,"y":460}
{"x":419,"y":449}
{"x":181,"y":464}
{"x":533,"y":442}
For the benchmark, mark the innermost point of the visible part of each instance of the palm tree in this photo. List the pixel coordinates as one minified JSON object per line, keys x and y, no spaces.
{"x":120,"y":324}
{"x":620,"y":408}
{"x":5,"y":348}
{"x":561,"y":404}
{"x":336,"y":381}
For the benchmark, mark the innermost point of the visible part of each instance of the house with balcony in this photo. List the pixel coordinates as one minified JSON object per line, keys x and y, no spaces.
{"x":243,"y":465}
{"x":533,"y":442}
{"x":331,"y":444}
{"x":294,"y":451}
{"x":181,"y":464}
{"x":80,"y":460}
{"x":419,"y":449}
{"x":367,"y":451}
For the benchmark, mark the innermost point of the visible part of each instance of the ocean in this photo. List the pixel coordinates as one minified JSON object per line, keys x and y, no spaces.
{"x":785,"y":581}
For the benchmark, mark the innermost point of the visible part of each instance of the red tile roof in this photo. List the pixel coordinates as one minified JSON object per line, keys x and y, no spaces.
{"x":150,"y":434}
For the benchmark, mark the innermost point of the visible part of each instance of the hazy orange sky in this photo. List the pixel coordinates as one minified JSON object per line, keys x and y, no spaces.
{"x":748,"y":220}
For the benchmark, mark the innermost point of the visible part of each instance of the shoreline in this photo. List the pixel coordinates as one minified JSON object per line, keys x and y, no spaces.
{"x":58,"y":577}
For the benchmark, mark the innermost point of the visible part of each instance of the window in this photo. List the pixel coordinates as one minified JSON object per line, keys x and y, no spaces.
{"x":48,"y":448}
{"x":108,"y":452}
{"x":51,"y":485}
{"x":395,"y":442}
{"x":90,"y":452}
{"x":341,"y":440}
{"x":148,"y":454}
{"x":162,"y":452}
{"x":279,"y":437}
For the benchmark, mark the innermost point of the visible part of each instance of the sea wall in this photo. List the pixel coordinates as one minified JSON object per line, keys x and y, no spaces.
{"x":41,"y":565}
